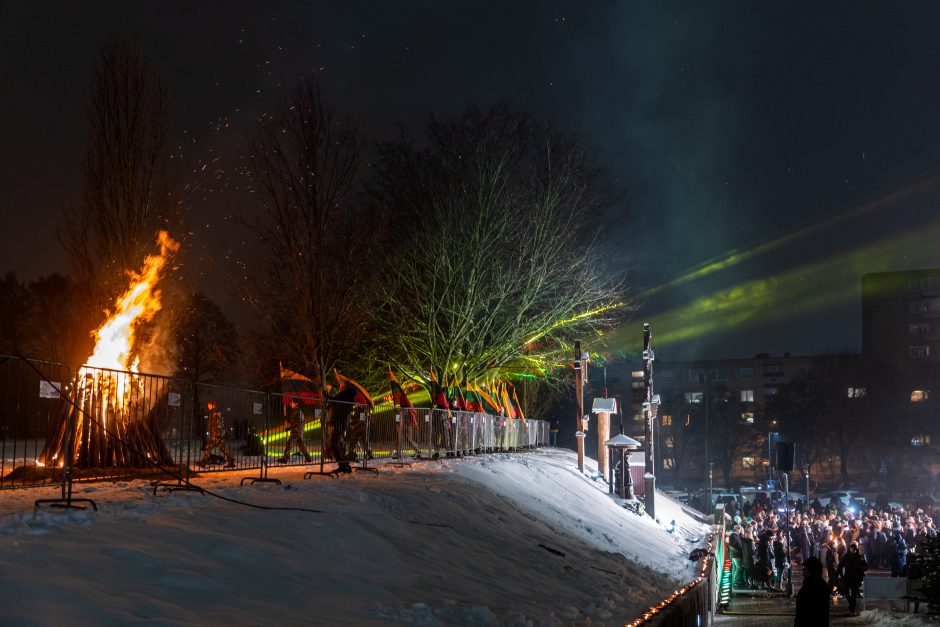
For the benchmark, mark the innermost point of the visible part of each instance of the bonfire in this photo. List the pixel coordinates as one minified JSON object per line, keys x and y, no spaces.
{"x":112,"y":415}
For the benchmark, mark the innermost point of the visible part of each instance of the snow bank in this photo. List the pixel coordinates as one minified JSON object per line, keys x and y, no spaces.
{"x":491,"y":540}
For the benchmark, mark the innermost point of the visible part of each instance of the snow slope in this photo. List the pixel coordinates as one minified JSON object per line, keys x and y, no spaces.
{"x":505,"y":539}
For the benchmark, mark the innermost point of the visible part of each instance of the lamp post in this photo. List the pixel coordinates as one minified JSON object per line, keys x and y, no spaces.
{"x":707,"y":461}
{"x":786,"y":526}
{"x":650,"y":407}
{"x":711,"y":489}
{"x":806,"y":495}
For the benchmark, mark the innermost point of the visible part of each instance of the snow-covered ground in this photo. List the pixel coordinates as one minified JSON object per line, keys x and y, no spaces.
{"x":503,"y":539}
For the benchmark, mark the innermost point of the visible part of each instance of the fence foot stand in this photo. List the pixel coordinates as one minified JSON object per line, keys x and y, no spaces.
{"x":366,"y":469}
{"x":399,"y":462}
{"x":255,"y":480}
{"x":332,"y":474}
{"x":178,"y":487}
{"x":65,"y":503}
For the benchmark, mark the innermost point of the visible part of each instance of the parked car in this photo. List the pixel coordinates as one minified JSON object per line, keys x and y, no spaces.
{"x":848,"y":498}
{"x":723,"y":498}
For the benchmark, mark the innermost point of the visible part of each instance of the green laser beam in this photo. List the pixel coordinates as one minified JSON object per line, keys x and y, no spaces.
{"x":796,"y":292}
{"x":734,"y":257}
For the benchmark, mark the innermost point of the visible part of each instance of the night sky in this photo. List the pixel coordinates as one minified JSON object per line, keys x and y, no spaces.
{"x":803,"y":138}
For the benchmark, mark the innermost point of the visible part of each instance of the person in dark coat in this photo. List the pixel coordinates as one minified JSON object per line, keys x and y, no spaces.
{"x":852,"y":569}
{"x":747,"y":557}
{"x":812,"y":601}
{"x":736,"y":546}
{"x":832,"y":567}
{"x":899,"y":555}
{"x":764,"y":559}
{"x":780,"y":558}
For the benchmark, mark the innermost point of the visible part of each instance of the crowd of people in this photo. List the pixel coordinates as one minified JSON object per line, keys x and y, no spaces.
{"x":763,"y":544}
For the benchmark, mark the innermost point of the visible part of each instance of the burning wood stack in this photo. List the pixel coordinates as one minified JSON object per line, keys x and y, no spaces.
{"x":113,"y":416}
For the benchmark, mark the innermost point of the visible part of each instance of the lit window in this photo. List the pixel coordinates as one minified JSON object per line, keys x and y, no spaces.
{"x":749,"y":462}
{"x":638,"y":418}
{"x":748,"y":417}
{"x":857,"y":392}
{"x":669,"y":443}
{"x":694,"y":397}
{"x":770,"y":391}
{"x":637,"y":374}
{"x":918,"y":352}
{"x":919,"y":396}
{"x":920,"y":440}
{"x":746,"y":374}
{"x":667,"y":421}
{"x":747,"y":396}
{"x":669,"y":463}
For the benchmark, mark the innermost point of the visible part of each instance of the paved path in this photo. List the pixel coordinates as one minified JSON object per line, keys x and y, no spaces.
{"x":773,"y":610}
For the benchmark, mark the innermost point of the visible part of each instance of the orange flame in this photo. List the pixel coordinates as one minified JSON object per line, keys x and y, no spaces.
{"x":141,"y":301}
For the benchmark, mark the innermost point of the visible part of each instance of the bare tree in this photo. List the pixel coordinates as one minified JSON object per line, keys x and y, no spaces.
{"x":128,"y":191}
{"x":495,"y":268}
{"x":14,"y":313}
{"x":730,"y":434}
{"x":827,"y":411}
{"x":312,"y":282}
{"x":677,"y":430}
{"x":206,"y":342}
{"x":53,"y":324}
{"x":128,"y":199}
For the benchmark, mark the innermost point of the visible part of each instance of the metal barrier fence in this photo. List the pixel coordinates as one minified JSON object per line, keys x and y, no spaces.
{"x":31,"y":407}
{"x":59,"y":426}
{"x":697,"y":602}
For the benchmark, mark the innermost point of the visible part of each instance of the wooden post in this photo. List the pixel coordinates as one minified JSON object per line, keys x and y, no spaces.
{"x":603,"y":434}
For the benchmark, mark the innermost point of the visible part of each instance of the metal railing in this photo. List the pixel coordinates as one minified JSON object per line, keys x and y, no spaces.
{"x":59,"y":426}
{"x":696,"y":602}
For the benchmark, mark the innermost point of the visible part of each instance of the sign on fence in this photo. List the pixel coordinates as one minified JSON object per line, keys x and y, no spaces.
{"x":50,"y":389}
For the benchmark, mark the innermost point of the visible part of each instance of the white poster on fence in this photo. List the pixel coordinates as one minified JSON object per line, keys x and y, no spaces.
{"x":50,"y":389}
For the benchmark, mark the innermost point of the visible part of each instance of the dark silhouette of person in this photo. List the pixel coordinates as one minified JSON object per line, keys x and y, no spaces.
{"x":216,"y":437}
{"x":340,"y":413}
{"x":853,"y":567}
{"x":295,"y":432}
{"x":812,"y":601}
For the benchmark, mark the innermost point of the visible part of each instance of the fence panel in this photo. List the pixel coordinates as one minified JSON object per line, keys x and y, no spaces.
{"x":230,"y":428}
{"x":116,"y":427}
{"x":462,"y":422}
{"x":126,"y":424}
{"x":392,"y":432}
{"x":295,"y":433}
{"x":32,"y":402}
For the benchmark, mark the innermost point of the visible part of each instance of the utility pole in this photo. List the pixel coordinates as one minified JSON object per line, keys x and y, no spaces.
{"x":708,"y":507}
{"x":579,"y":378}
{"x":649,"y":413}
